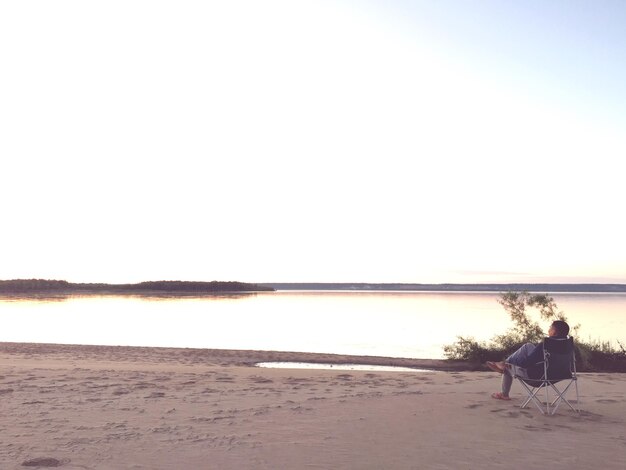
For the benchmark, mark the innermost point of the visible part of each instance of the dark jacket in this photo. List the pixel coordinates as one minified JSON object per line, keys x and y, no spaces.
{"x":535,"y":358}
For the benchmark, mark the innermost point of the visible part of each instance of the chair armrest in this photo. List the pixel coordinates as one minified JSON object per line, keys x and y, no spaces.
{"x":517,"y":371}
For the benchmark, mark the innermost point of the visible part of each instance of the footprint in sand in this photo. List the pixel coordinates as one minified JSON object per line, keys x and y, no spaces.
{"x":162,"y":379}
{"x":472,"y":406}
{"x":142,"y":385}
{"x":42,"y":462}
{"x":530,"y":427}
{"x":224,"y":379}
{"x":344,"y":377}
{"x":260,"y":380}
{"x":497,"y":410}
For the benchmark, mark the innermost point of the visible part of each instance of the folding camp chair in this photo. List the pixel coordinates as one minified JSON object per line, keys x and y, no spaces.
{"x":559,"y":364}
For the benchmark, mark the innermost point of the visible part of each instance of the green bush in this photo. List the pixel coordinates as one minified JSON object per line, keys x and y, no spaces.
{"x":469,"y":349}
{"x":600,"y":356}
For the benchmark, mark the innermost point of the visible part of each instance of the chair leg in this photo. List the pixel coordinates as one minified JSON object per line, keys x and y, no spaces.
{"x":529,"y":397}
{"x":560,"y":397}
{"x":532,"y":396}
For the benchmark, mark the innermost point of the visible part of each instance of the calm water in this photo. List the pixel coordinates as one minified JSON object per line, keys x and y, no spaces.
{"x":406,"y":324}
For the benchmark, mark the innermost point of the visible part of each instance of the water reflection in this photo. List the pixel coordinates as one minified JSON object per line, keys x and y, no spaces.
{"x":149,"y":297}
{"x":190,"y":296}
{"x":410,"y":325}
{"x":33,"y":297}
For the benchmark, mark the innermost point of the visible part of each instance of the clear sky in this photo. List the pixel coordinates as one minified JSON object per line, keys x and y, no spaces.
{"x":357,"y":141}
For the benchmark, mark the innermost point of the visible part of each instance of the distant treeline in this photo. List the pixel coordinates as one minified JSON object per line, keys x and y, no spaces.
{"x":451,"y":287}
{"x":43,"y":286}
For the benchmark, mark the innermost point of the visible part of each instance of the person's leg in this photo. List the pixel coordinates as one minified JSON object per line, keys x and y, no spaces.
{"x":522,"y":353}
{"x":507,"y":375}
{"x":507,"y":381}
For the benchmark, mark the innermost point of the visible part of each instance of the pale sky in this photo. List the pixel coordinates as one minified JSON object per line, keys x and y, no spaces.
{"x":321,"y":141}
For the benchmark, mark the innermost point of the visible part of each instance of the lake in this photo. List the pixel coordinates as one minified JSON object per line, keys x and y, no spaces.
{"x":395,"y":324}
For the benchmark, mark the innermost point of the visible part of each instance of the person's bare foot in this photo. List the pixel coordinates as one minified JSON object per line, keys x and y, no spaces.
{"x":496,"y":366}
{"x":500,"y":396}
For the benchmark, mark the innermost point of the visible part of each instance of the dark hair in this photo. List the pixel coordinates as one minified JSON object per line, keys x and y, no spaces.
{"x":562,"y":328}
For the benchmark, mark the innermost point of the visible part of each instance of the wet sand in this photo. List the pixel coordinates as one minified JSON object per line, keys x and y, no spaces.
{"x":89,"y":407}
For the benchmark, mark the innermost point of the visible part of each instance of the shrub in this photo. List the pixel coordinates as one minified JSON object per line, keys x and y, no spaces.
{"x":469,"y":349}
{"x":600,"y":356}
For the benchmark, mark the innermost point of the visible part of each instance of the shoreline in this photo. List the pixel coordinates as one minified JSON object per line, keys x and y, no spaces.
{"x":227,"y":357}
{"x":551,"y":288}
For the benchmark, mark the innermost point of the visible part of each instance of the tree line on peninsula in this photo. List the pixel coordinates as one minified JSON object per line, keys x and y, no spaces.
{"x":45,"y":286}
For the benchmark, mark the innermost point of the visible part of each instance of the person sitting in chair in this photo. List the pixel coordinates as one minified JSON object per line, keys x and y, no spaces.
{"x":527,"y":355}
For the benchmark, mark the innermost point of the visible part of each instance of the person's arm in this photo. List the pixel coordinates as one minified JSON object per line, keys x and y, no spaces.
{"x":534,"y":357}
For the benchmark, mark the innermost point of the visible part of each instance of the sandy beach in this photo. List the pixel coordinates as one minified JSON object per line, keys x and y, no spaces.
{"x":88,"y":407}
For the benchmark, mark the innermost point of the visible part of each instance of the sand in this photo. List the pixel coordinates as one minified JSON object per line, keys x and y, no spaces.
{"x":86,"y":407}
